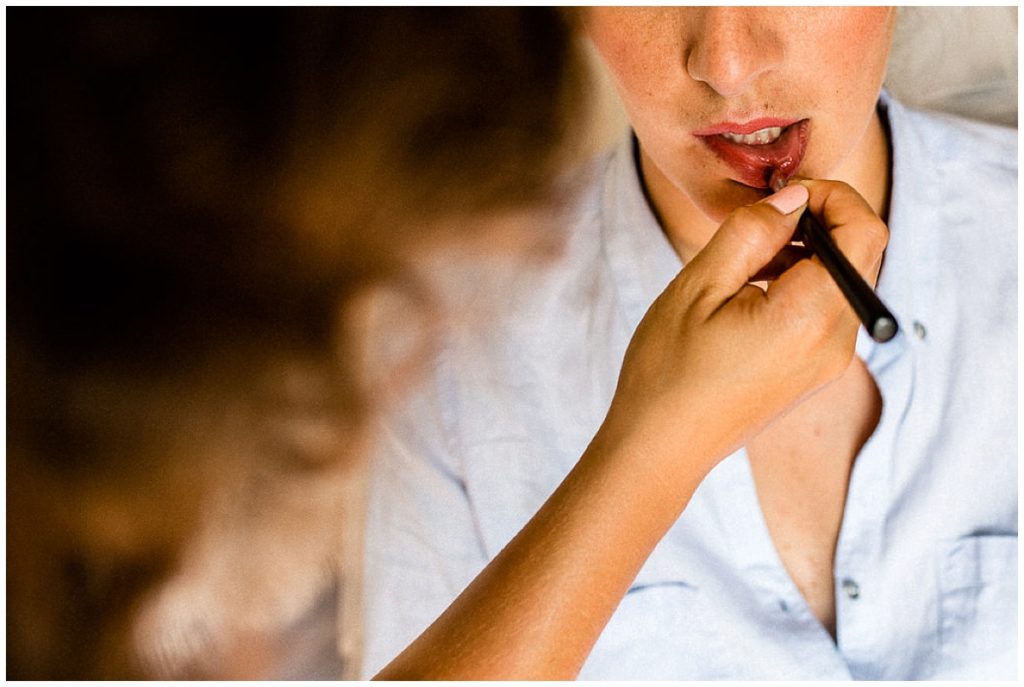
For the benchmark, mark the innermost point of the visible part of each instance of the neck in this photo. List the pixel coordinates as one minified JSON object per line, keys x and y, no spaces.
{"x":688,"y":229}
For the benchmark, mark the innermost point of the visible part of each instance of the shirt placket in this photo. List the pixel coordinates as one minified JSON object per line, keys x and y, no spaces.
{"x":858,"y":565}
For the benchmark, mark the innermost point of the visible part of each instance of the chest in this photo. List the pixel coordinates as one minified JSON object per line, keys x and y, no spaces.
{"x":801,"y":466}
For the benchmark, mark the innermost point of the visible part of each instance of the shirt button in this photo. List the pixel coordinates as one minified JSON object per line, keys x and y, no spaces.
{"x":851,"y":588}
{"x":919,"y":330}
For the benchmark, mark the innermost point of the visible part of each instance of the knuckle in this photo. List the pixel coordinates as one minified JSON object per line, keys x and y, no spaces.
{"x":819,"y":326}
{"x":689,"y":296}
{"x":837,"y":198}
{"x":867,"y":243}
{"x":834,"y":187}
{"x":877,"y":237}
{"x":816,"y":321}
{"x":839,"y":186}
{"x":826,"y":349}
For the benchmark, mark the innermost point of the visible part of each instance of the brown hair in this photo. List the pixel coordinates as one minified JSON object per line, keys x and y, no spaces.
{"x":192,"y":194}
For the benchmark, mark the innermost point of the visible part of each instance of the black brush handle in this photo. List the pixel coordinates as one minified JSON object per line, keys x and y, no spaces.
{"x":877,"y":319}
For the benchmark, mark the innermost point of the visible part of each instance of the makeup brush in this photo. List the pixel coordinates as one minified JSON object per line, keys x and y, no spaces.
{"x":879,"y":322}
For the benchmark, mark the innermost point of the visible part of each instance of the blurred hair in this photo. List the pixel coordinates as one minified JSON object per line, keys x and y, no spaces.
{"x":192,"y":195}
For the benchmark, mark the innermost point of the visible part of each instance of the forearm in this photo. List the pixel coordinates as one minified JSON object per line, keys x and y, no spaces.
{"x":711,"y":351}
{"x":537,"y":609}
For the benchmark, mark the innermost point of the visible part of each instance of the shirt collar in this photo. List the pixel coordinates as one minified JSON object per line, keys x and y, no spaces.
{"x":907,"y":278}
{"x":641,"y":259}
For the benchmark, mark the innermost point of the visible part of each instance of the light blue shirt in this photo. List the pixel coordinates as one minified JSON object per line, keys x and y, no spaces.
{"x":926,"y":560}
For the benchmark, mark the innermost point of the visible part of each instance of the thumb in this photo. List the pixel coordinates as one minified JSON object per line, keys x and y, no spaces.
{"x":747,"y":241}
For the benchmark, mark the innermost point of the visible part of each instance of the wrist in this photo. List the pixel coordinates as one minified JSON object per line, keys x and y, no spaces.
{"x":664,"y":457}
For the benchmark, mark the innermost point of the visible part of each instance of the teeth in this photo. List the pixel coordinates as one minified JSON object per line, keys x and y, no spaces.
{"x":757,"y":138}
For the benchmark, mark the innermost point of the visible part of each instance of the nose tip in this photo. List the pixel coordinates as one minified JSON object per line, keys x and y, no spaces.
{"x":729,"y":52}
{"x":728,"y":73}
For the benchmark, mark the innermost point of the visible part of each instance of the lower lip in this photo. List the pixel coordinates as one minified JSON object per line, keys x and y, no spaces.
{"x":753,"y":164}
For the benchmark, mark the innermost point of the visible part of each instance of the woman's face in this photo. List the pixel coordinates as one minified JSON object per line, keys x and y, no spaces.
{"x":719,"y":96}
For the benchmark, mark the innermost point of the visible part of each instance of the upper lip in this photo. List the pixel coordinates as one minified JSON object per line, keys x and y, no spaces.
{"x":747,"y":127}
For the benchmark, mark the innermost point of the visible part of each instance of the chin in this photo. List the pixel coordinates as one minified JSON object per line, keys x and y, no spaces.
{"x":718,"y":204}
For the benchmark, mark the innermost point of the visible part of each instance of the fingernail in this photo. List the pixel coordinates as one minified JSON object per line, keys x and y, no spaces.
{"x":788,"y":199}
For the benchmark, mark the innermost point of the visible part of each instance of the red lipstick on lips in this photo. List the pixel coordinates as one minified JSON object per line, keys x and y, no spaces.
{"x":753,"y":163}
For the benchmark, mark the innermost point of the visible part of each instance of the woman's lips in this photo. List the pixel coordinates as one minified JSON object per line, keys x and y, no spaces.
{"x":751,"y":152}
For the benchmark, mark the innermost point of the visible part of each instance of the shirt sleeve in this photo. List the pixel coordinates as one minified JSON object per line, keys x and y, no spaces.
{"x":422,"y":546}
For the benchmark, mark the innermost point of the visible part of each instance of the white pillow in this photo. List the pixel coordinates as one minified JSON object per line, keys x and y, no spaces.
{"x":957,"y":59}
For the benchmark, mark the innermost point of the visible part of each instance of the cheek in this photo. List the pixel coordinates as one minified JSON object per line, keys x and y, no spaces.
{"x":850,"y":48}
{"x":863,"y":30}
{"x":612,"y":35}
{"x":843,"y":68}
{"x":636,"y":47}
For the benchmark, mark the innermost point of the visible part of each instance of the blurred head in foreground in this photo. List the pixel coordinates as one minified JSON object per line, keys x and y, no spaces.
{"x":194,"y":197}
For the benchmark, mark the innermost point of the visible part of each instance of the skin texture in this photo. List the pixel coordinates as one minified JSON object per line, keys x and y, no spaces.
{"x":709,"y":344}
{"x":680,"y":70}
